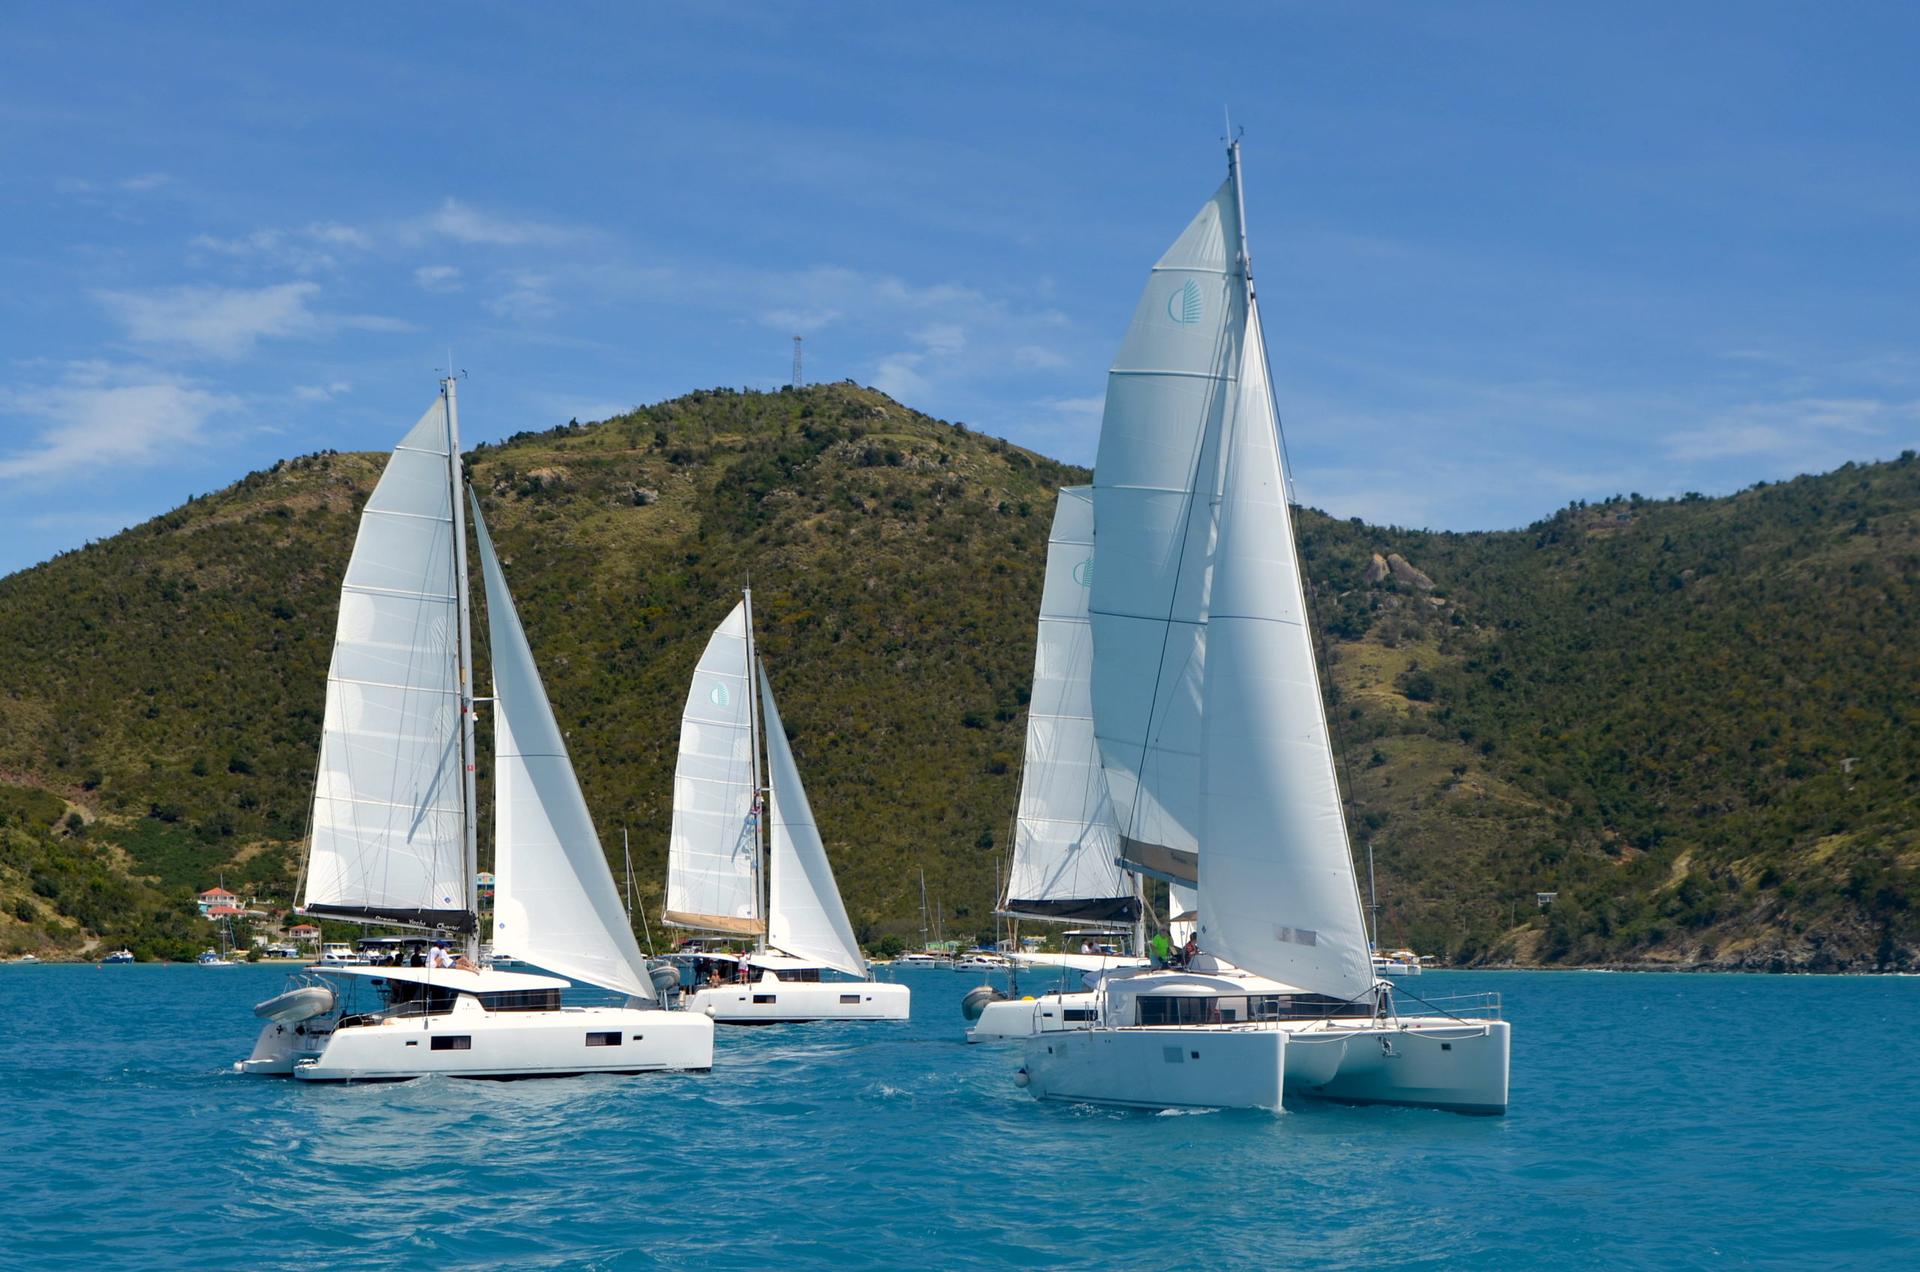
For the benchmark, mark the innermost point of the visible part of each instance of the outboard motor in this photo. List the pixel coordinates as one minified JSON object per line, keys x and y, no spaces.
{"x":977,"y":999}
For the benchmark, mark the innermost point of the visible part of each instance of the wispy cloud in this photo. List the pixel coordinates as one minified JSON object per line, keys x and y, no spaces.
{"x":227,"y":322}
{"x":524,"y":296}
{"x":103,"y":416}
{"x":437,"y":278}
{"x":321,"y":392}
{"x":464,"y":223}
{"x":306,"y":249}
{"x":1808,"y":430}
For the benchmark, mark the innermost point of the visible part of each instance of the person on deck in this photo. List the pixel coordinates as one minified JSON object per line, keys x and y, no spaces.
{"x":439,"y":958}
{"x":1191,"y":951}
{"x":1162,"y":948}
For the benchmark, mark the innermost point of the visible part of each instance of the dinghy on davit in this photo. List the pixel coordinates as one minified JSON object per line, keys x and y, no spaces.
{"x":1215,"y":751}
{"x":394,"y":828}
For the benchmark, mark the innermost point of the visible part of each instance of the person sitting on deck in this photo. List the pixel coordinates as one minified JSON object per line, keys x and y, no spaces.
{"x":1162,"y":949}
{"x":439,"y":958}
{"x":1191,"y":950}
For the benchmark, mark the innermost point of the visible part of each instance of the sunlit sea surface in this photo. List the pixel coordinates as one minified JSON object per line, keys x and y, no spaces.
{"x":1657,"y":1121}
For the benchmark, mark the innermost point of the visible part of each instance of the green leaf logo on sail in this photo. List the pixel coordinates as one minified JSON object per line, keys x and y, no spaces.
{"x":1083,"y":573}
{"x":1184,"y":306}
{"x":718,"y":695}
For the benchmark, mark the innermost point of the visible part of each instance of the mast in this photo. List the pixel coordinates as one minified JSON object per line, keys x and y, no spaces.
{"x":760,"y":897}
{"x":1373,"y":898}
{"x":469,"y":800}
{"x":923,"y":909}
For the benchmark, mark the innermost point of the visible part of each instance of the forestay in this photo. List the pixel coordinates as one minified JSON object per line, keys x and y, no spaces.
{"x":1154,"y":485}
{"x":805,"y":916}
{"x":1277,"y":889}
{"x":712,"y":882}
{"x":388,"y":810}
{"x":555,"y":904}
{"x":1064,"y":841}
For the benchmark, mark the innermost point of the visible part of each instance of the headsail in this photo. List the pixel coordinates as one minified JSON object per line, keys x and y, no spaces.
{"x":805,"y":915}
{"x":1277,"y":889}
{"x":1064,"y":842}
{"x":389,"y":821}
{"x":555,"y":904}
{"x":712,"y":859}
{"x":1154,"y":487}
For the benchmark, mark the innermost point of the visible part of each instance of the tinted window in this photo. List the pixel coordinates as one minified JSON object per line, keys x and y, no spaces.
{"x":453,"y":1042}
{"x":608,"y":1039}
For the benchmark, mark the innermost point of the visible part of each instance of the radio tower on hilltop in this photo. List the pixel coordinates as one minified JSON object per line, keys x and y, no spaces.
{"x":799,"y":380}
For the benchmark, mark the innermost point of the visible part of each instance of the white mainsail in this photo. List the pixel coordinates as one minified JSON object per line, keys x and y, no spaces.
{"x":1064,"y":845}
{"x":805,"y":915}
{"x":1154,"y":488}
{"x":555,"y":904}
{"x":389,"y":822}
{"x":712,"y":858}
{"x":1278,"y":894}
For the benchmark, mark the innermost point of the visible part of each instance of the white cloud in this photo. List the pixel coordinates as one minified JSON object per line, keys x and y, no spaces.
{"x":464,"y":224}
{"x":226,"y":322}
{"x":898,"y":376}
{"x":103,"y":417}
{"x":437,"y":278}
{"x":525,"y":296}
{"x":1038,"y":358}
{"x":145,"y":182}
{"x":1803,"y":430}
{"x":307,"y":249}
{"x":321,"y":392}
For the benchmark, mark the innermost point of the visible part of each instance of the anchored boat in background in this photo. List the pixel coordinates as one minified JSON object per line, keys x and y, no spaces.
{"x":1206,"y":704}
{"x":718,"y":866}
{"x":394,"y":828}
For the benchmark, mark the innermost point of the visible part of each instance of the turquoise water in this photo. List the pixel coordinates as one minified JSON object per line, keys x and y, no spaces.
{"x":1657,"y":1121}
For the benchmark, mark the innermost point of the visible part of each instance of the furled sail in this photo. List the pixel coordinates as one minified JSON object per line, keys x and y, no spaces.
{"x":712,"y":874}
{"x":389,"y":821}
{"x":1155,"y":484}
{"x":1277,"y":889}
{"x":1064,"y":841}
{"x":555,"y":904}
{"x":805,"y":916}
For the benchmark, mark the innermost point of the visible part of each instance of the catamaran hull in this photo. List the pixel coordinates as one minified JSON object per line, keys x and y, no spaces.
{"x":1160,"y":1068}
{"x":1458,"y":1066}
{"x":791,"y":1002}
{"x":1455,"y":1066}
{"x":499,"y":1045}
{"x":1013,"y":1018}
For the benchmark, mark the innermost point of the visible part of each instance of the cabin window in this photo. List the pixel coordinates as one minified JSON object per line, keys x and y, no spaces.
{"x":453,"y":1042}
{"x":522,"y":1000}
{"x":766,"y":998}
{"x":1078,"y":1013}
{"x":611,"y":1038}
{"x":849,"y":998}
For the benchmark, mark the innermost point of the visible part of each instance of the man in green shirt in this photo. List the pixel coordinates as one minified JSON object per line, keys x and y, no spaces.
{"x":1160,"y":946}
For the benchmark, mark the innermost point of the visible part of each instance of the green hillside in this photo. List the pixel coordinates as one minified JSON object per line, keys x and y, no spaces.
{"x":1693,"y":720}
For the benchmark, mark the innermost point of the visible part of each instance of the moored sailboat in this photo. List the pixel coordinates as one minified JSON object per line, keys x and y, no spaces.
{"x":1213,"y":737}
{"x":394,"y":827}
{"x":805,"y":964}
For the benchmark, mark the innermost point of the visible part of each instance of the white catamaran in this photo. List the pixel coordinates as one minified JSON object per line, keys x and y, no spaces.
{"x":394,"y":836}
{"x":1213,"y":737}
{"x":718,"y":866}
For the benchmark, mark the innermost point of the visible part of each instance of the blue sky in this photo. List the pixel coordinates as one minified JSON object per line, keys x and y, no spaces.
{"x":1510,"y":255}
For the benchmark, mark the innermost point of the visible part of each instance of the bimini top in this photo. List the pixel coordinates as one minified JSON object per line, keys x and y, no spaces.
{"x":484,"y":982}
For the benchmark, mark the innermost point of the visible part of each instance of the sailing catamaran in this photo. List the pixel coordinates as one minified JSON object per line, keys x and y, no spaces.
{"x":395,"y":839}
{"x":718,"y":867}
{"x":1206,"y":705}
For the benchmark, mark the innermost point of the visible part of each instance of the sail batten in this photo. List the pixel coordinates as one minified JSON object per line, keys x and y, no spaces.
{"x":555,"y":902}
